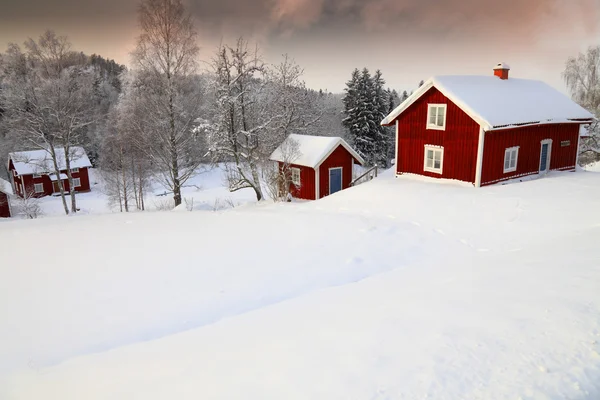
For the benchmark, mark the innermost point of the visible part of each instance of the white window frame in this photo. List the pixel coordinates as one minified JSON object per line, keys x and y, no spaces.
{"x":76,"y":182}
{"x":429,"y":147}
{"x":15,"y":174}
{"x":75,"y":170}
{"x":435,"y":126}
{"x":508,"y":151}
{"x":549,"y":156}
{"x":341,"y":177}
{"x":296,"y":178}
{"x":38,"y":185}
{"x":36,"y":176}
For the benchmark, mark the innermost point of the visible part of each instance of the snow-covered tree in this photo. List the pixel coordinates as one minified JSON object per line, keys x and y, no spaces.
{"x":582,"y":76}
{"x":47,"y":95}
{"x":166,"y":61}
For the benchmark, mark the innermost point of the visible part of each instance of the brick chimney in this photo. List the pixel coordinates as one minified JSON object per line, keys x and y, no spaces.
{"x":501,"y":71}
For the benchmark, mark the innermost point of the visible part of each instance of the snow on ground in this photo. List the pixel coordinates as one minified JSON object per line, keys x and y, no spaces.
{"x":395,"y":289}
{"x":204,"y":191}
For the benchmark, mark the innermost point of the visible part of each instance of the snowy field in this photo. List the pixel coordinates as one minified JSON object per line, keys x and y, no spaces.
{"x":204,"y":191}
{"x":396,"y":289}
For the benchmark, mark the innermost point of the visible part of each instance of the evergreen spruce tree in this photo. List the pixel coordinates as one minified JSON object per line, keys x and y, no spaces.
{"x":350,"y":100}
{"x":404,"y":96}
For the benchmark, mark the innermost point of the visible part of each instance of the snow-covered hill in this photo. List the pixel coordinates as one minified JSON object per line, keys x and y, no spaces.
{"x":395,"y":289}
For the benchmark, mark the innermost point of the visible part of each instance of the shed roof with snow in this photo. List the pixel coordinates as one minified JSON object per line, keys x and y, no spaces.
{"x":5,"y":187}
{"x":312,"y":150}
{"x":40,"y":161}
{"x":501,"y":103}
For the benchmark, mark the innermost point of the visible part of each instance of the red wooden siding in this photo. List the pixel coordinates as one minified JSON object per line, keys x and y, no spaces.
{"x":30,"y":182}
{"x":306,"y":190}
{"x":339,"y":158}
{"x":529,"y":141}
{"x":4,"y":206}
{"x":459,"y":140}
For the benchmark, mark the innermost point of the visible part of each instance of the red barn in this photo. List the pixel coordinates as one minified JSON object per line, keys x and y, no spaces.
{"x":5,"y":192}
{"x":33,"y":172}
{"x":486,"y":129}
{"x":319,"y":165}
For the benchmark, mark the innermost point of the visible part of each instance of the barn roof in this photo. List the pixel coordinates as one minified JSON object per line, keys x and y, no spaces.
{"x":312,"y":150}
{"x":39,"y":161}
{"x":5,"y":187}
{"x":501,"y":103}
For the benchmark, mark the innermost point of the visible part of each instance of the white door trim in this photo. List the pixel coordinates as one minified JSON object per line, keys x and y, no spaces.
{"x":341,"y":178}
{"x":548,"y":157}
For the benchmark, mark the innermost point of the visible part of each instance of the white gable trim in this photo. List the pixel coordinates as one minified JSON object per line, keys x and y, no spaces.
{"x":347,"y":147}
{"x":432,"y":82}
{"x":424,"y":89}
{"x":317,"y":184}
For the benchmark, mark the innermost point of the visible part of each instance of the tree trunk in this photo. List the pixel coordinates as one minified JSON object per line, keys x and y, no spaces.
{"x":70,"y":179}
{"x":174,"y":160}
{"x":60,"y":184}
{"x":256,"y":183}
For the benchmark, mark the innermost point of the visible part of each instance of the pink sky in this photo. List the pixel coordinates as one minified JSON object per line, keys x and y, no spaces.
{"x":408,"y":40}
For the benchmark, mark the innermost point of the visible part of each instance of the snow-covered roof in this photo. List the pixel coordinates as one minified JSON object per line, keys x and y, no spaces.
{"x":40,"y":161}
{"x":312,"y":150}
{"x":54,"y":178}
{"x":5,"y":187}
{"x":501,"y":104}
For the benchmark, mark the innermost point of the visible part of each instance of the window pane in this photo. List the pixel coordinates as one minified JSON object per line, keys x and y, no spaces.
{"x":432,"y":116}
{"x":438,"y":164}
{"x":440,"y":116}
{"x":513,"y":159}
{"x":430,"y":154}
{"x":506,"y":164}
{"x":438,"y":156}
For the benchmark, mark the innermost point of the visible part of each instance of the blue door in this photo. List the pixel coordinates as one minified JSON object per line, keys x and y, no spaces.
{"x":544,"y":157}
{"x":335,"y":180}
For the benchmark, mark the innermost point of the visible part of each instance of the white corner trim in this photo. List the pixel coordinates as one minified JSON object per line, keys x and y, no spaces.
{"x":317,"y":184}
{"x":480,"y":149}
{"x":428,"y":125}
{"x":578,"y":150}
{"x":396,"y":145}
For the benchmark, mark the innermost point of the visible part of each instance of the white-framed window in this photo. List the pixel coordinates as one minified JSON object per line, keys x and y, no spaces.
{"x":436,"y":116}
{"x":296,"y":176}
{"x":74,"y":170}
{"x":511,"y":155}
{"x":37,"y":176}
{"x":38,"y":187}
{"x":434,"y":159}
{"x":76,"y":182}
{"x":15,"y":172}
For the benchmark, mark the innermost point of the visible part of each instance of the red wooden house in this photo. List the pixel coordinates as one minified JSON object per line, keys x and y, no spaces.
{"x":486,"y":129}
{"x":33,"y":172}
{"x":5,"y":192}
{"x":319,"y":165}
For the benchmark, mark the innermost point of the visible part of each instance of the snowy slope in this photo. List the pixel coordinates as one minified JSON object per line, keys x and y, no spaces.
{"x":395,"y":289}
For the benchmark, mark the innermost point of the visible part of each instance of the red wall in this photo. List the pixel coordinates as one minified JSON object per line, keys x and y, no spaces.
{"x":460,"y":139}
{"x":4,"y":207}
{"x":306,"y":190}
{"x":29,"y":181}
{"x":529,"y":141}
{"x":339,"y":158}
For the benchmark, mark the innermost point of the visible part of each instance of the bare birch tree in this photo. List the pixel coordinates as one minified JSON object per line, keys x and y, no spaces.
{"x":47,"y":99}
{"x":166,"y":60}
{"x":582,"y":76}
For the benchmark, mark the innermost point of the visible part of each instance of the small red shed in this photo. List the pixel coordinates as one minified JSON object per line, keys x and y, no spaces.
{"x":486,"y":129}
{"x":33,"y":172}
{"x":319,"y":165}
{"x":5,"y":193}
